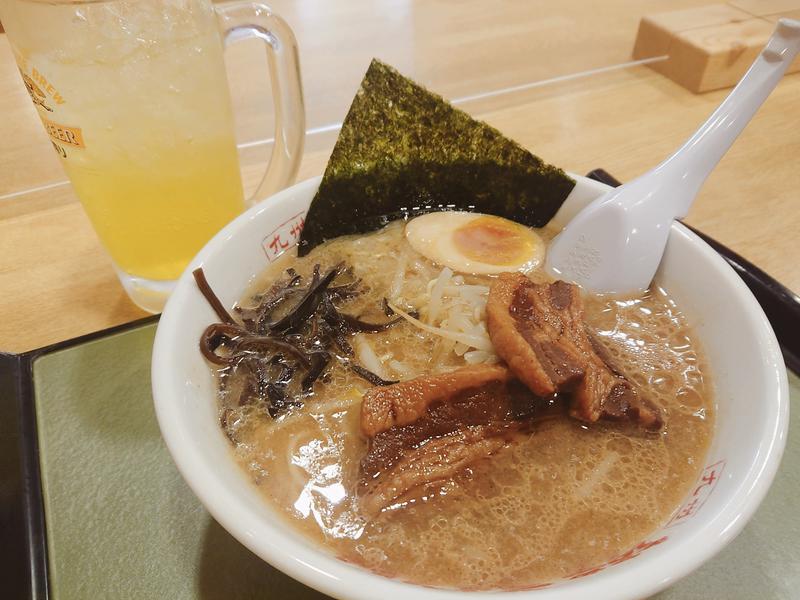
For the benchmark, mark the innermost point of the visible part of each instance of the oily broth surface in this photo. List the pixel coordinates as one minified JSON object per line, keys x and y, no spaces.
{"x":547,"y":506}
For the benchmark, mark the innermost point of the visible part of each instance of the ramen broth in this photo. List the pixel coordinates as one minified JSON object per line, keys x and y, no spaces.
{"x":563,"y":498}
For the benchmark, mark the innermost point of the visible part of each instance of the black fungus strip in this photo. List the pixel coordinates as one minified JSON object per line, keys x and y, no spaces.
{"x":387,"y":310}
{"x":346,"y":291}
{"x":308,"y":303}
{"x":350,"y":324}
{"x":257,"y":318}
{"x":255,"y":341}
{"x":211,"y":297}
{"x":370,"y":376}
{"x":340,"y":337}
{"x":319,"y":361}
{"x":210,"y":340}
{"x":237,"y":339}
{"x":356,"y":324}
{"x":270,"y":303}
{"x":337,"y":325}
{"x":278,"y":399}
{"x":249,"y":393}
{"x":286,"y":373}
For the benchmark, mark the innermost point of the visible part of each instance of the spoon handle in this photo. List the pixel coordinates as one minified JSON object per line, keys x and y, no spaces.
{"x":694,"y":161}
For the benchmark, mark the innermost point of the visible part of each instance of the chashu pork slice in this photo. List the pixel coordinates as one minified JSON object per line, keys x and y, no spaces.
{"x":538,"y":329}
{"x":427,"y":430}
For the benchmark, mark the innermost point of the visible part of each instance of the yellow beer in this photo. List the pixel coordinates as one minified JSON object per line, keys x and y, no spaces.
{"x":153,"y":219}
{"x":134,"y":97}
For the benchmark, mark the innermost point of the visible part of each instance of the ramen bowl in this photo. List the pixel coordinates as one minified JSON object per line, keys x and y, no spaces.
{"x":745,"y":365}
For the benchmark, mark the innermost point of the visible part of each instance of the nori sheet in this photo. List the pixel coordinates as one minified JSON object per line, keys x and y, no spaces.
{"x":404,"y":151}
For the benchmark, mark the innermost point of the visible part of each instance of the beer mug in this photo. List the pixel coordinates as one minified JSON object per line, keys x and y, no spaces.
{"x":134,"y":97}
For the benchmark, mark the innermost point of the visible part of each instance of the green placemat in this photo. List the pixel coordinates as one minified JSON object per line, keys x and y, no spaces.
{"x":122,"y":524}
{"x":763,"y":563}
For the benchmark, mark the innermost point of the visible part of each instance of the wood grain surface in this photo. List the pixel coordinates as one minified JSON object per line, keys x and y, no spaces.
{"x":57,"y":282}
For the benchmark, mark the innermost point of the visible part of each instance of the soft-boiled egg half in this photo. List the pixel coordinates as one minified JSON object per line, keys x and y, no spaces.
{"x":475,"y":243}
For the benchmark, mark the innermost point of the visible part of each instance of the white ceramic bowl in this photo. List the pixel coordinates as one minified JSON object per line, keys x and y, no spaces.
{"x":746,"y":367}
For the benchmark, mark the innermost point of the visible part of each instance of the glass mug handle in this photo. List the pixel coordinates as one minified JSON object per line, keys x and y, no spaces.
{"x":244,"y":20}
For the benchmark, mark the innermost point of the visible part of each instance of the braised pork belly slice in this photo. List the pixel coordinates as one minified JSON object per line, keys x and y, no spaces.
{"x":403,"y":403}
{"x":538,"y":329}
{"x":435,"y":461}
{"x":428,"y":429}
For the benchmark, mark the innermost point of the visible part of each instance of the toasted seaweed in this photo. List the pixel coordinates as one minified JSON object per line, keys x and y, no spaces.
{"x":404,"y":151}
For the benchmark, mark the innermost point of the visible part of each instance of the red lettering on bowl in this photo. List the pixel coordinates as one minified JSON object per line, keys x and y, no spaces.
{"x":702,"y":490}
{"x":283,"y":237}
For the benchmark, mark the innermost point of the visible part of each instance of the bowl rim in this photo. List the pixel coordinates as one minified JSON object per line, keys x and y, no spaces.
{"x":322,"y":571}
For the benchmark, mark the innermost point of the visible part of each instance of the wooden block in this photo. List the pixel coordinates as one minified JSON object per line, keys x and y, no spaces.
{"x":708,"y":48}
{"x":656,"y":31}
{"x":792,"y":14}
{"x":763,"y":8}
{"x":711,"y":58}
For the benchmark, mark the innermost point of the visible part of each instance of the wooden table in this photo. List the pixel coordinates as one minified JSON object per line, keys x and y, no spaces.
{"x":551,"y":75}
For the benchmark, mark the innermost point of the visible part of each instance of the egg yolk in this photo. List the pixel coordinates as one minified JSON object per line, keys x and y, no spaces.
{"x":494,"y":240}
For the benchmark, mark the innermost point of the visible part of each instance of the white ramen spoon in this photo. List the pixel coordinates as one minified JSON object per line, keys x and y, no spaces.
{"x":615,"y":244}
